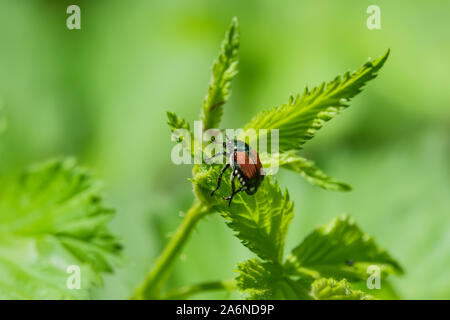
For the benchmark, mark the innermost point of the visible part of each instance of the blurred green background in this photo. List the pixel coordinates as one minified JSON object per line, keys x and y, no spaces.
{"x":100,"y":93}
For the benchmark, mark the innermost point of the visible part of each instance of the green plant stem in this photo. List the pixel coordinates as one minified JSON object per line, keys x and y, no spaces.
{"x":185,"y":292}
{"x":153,"y":281}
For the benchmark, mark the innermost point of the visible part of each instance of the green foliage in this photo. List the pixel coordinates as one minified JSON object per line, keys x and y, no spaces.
{"x":53,"y":217}
{"x":330,"y":289}
{"x":307,"y":169}
{"x":266,"y":280}
{"x":321,"y":266}
{"x":310,"y":271}
{"x":258,"y":279}
{"x":341,"y":250}
{"x":176,"y":122}
{"x":299,"y":120}
{"x":223,"y":71}
{"x":260,"y":221}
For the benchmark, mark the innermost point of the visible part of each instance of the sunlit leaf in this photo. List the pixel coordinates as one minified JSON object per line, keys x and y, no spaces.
{"x":223,"y":71}
{"x":307,"y":169}
{"x":265,"y":280}
{"x":175,"y":122}
{"x":260,"y":221}
{"x":330,"y":289}
{"x":300,"y":119}
{"x":341,"y":250}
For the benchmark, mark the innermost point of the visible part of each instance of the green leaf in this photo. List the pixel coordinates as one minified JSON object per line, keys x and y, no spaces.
{"x":330,"y":289}
{"x":300,"y":119}
{"x":292,"y":160}
{"x":52,"y":218}
{"x":176,"y":122}
{"x":341,"y":250}
{"x":223,"y":71}
{"x":258,"y":279}
{"x":183,"y":133}
{"x":266,"y":281}
{"x":260,"y":221}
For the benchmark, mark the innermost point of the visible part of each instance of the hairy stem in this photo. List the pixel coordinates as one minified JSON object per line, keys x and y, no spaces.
{"x":185,"y":292}
{"x":155,"y":277}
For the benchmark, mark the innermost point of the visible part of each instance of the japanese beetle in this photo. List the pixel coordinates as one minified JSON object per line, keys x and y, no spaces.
{"x":245,"y":165}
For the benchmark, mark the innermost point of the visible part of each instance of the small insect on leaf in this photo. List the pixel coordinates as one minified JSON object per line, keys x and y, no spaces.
{"x":245,"y":166}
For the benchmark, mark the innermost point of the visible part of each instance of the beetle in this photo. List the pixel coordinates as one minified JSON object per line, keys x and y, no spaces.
{"x":245,"y":166}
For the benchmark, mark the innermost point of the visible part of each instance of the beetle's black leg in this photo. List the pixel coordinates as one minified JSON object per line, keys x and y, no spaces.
{"x":232,"y":176}
{"x":219,"y":180}
{"x":233,"y":191}
{"x":233,"y":194}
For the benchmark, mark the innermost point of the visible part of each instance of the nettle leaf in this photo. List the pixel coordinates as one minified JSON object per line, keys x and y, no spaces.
{"x":341,"y":250}
{"x":292,"y":160}
{"x":330,"y":289}
{"x":176,"y":122}
{"x":303,"y":116}
{"x":258,"y":279}
{"x":223,"y":71}
{"x":266,"y":281}
{"x":181,"y":132}
{"x":260,"y":221}
{"x":53,"y":218}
